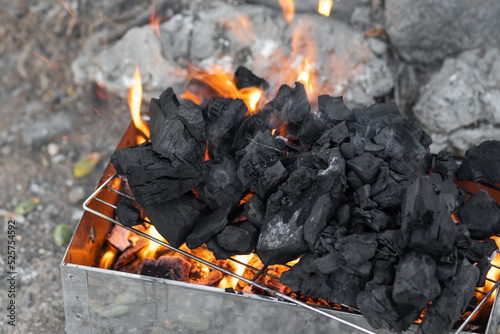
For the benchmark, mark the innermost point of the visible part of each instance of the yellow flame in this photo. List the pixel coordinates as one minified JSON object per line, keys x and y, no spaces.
{"x":288,"y":8}
{"x":325,"y":7}
{"x":107,"y":259}
{"x":134,"y":103}
{"x":150,"y":250}
{"x":305,"y":75}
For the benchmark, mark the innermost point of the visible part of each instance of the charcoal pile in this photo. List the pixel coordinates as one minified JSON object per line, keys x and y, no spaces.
{"x":355,"y":193}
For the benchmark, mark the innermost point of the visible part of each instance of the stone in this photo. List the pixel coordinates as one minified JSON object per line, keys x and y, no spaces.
{"x":460,"y":105}
{"x":39,"y":133}
{"x":412,"y":27}
{"x":76,"y":194}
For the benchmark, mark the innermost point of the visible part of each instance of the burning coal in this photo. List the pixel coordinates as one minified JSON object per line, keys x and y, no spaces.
{"x":349,"y":192}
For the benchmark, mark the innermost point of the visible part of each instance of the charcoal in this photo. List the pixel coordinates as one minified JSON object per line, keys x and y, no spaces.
{"x":390,"y":197}
{"x":346,"y":287}
{"x":392,"y":242}
{"x":177,"y":131}
{"x":127,"y":213}
{"x":481,"y":214}
{"x":383,"y":272}
{"x":362,"y":197}
{"x":332,"y":109}
{"x":381,"y":182}
{"x":484,"y":266}
{"x":221,"y":185}
{"x":349,"y":150}
{"x":446,"y":265}
{"x":378,"y":115}
{"x":241,"y":239}
{"x":153,"y":178}
{"x":375,"y":219}
{"x":416,"y":282}
{"x":222,"y":120}
{"x":453,"y":197}
{"x":486,"y":248}
{"x":425,"y":222}
{"x":381,"y":311}
{"x":245,"y":78}
{"x":255,"y":210}
{"x":482,"y":163}
{"x":176,"y":219}
{"x":366,"y":167}
{"x":357,"y":248}
{"x":462,"y":238}
{"x":452,"y":302}
{"x":253,"y":124}
{"x":446,"y":166}
{"x":353,"y":180}
{"x":208,"y":226}
{"x":321,"y":212}
{"x":282,"y":235}
{"x":219,"y":252}
{"x":260,"y":168}
{"x":329,"y":262}
{"x":343,"y":214}
{"x":335,"y":135}
{"x":310,"y":129}
{"x":173,"y":268}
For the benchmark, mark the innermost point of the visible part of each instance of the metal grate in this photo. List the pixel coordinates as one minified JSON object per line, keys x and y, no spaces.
{"x":112,"y":185}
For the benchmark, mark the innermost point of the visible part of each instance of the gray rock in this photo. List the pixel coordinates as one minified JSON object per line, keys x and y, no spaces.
{"x":76,"y":194}
{"x":460,"y":106}
{"x":216,"y":35}
{"x":430,"y":30}
{"x":39,"y":133}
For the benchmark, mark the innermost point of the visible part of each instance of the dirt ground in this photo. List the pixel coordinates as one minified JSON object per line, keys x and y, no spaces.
{"x":38,"y":41}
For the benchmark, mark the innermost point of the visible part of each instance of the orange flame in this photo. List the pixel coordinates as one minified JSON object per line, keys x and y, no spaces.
{"x":288,"y":8}
{"x":150,"y":250}
{"x":154,"y":20}
{"x":108,"y":258}
{"x":325,"y":7}
{"x":230,"y":281}
{"x":134,"y":103}
{"x":305,"y":75}
{"x":222,"y":85}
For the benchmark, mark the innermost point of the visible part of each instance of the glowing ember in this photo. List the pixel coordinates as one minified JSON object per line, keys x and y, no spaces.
{"x":207,"y":157}
{"x":134,"y":103}
{"x":41,"y":57}
{"x":288,"y":8}
{"x":97,"y":112}
{"x":222,"y":85}
{"x":325,"y":6}
{"x":154,"y":20}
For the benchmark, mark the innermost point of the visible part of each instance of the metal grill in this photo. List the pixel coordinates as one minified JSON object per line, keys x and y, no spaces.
{"x":116,"y":184}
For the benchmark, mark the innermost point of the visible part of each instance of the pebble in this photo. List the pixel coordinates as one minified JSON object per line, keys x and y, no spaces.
{"x":76,"y":194}
{"x":52,"y":149}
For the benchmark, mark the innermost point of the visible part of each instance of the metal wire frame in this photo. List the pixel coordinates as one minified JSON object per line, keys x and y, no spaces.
{"x":259,"y":272}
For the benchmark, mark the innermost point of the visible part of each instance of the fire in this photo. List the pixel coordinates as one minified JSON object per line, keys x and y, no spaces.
{"x":154,"y":20}
{"x":150,"y":250}
{"x":108,"y":258}
{"x":134,"y":103}
{"x":288,"y":8}
{"x":325,"y":7}
{"x":230,"y":281}
{"x":305,"y":75}
{"x":222,"y":85}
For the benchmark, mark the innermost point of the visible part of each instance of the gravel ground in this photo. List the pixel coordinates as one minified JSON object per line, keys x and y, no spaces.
{"x":47,"y":125}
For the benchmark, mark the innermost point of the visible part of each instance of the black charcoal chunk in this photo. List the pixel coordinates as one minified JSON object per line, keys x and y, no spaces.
{"x":208,"y":226}
{"x":169,"y":267}
{"x":221,"y":185}
{"x":349,"y":150}
{"x":383,"y":272}
{"x":481,"y":214}
{"x":346,"y":286}
{"x":484,"y":266}
{"x":176,"y":219}
{"x":173,"y":135}
{"x":452,"y":302}
{"x":362,"y":198}
{"x":247,"y":131}
{"x":219,"y":252}
{"x":378,"y":115}
{"x":127,"y":213}
{"x":390,"y":197}
{"x":375,"y":219}
{"x":310,"y":129}
{"x":332,"y":109}
{"x":482,"y":163}
{"x":366,"y":167}
{"x":357,"y":248}
{"x":446,"y":166}
{"x":381,"y":311}
{"x":241,"y":239}
{"x":353,"y":180}
{"x":255,"y":210}
{"x":392,"y":242}
{"x":486,"y":248}
{"x":425,"y":221}
{"x":154,"y":178}
{"x":222,"y":121}
{"x":335,"y":135}
{"x":260,"y":168}
{"x":329,"y":262}
{"x":321,"y":212}
{"x":446,"y":265}
{"x":245,"y":78}
{"x":416,"y":282}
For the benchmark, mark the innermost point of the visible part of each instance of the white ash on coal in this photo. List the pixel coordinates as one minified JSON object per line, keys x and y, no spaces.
{"x":350,"y":192}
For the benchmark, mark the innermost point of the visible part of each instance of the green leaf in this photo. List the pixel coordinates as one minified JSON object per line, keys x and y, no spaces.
{"x":86,"y":165}
{"x":116,"y":311}
{"x":62,"y":234}
{"x":27,"y":206}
